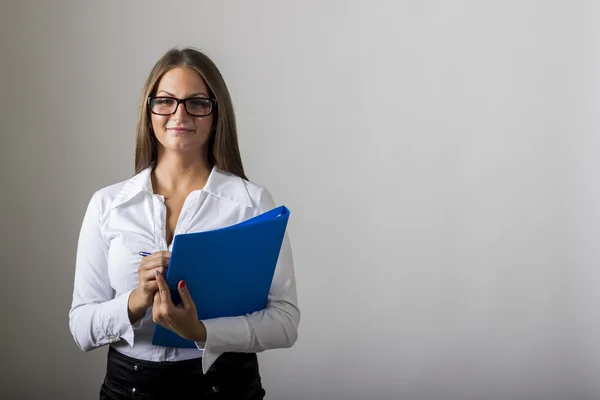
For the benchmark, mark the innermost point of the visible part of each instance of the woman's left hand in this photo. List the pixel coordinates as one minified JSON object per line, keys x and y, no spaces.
{"x":181,"y":319}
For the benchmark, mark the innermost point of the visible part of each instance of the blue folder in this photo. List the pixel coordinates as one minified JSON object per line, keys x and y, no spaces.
{"x":228,"y":271}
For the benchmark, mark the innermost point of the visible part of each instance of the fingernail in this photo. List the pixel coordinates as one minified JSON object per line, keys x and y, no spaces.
{"x":156,"y":273}
{"x":181,"y":284}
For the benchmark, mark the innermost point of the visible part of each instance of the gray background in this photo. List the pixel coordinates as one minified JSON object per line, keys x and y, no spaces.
{"x":439,"y":159}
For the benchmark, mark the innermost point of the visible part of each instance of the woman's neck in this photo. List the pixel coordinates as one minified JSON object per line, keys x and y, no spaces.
{"x":176,"y":175}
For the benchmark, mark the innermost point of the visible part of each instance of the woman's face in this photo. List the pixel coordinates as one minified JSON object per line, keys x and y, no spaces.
{"x":182,"y":132}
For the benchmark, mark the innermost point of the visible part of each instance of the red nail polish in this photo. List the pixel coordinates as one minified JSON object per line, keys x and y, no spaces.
{"x":182,"y":284}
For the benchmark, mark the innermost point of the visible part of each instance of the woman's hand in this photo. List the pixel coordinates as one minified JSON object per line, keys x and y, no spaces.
{"x":142,"y":297}
{"x":181,"y":319}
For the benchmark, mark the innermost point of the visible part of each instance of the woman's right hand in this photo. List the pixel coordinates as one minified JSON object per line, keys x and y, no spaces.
{"x":142,"y":297}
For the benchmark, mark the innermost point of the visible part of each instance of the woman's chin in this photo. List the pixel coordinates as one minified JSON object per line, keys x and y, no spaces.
{"x":184,"y":147}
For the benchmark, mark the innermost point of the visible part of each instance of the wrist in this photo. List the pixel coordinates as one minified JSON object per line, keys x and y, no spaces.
{"x":200,"y":334}
{"x":135,"y":306}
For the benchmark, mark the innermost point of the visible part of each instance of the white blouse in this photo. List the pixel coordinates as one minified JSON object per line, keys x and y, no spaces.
{"x":125,"y":218}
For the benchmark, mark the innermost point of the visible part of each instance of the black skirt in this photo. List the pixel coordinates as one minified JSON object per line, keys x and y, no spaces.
{"x":232,"y":376}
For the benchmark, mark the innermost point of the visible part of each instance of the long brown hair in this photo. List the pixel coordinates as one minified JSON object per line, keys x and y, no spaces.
{"x":223,"y":151}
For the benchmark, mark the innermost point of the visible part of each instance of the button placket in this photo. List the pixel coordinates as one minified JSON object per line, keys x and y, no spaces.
{"x":187,"y":210}
{"x":160,"y":210}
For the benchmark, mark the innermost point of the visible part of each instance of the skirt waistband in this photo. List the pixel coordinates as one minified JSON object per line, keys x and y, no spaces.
{"x":234,"y":374}
{"x":232,"y":360}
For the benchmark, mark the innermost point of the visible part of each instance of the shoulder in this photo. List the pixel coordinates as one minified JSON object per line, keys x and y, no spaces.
{"x":260,"y":196}
{"x":104,"y":197}
{"x":235,"y":188}
{"x":113,"y":195}
{"x":101,"y":201}
{"x":256,"y":192}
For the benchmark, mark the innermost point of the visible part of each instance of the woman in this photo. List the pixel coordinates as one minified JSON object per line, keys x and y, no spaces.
{"x":189,"y":177}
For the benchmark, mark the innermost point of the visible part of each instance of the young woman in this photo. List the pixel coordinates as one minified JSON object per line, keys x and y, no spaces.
{"x":188,"y":178}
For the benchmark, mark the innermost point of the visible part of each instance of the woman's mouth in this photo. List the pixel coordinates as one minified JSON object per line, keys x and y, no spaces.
{"x":179,"y":130}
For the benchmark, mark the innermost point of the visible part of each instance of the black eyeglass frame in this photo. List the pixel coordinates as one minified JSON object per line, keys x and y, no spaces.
{"x":213,"y":104}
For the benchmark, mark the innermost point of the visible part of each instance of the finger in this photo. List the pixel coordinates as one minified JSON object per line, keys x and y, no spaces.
{"x":147,"y":273}
{"x":163,"y":289}
{"x":149,"y":276}
{"x":157,"y":262}
{"x":186,"y":297}
{"x":151,"y":287}
{"x":162,"y":253}
{"x":158,"y":259}
{"x":155,"y":255}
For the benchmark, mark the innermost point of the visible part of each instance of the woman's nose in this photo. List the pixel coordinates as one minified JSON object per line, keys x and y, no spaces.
{"x":181,"y":112}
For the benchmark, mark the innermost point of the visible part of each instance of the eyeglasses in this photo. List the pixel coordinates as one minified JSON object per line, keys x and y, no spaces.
{"x":195,"y":106}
